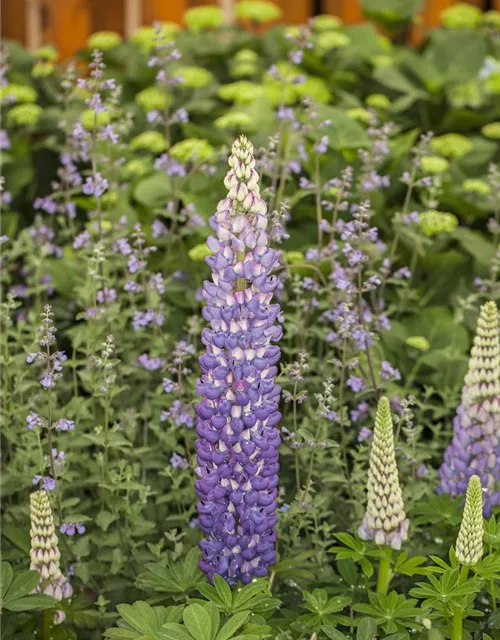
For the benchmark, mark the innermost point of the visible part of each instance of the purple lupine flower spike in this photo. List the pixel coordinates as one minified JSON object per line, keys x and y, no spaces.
{"x":475,"y":447}
{"x":238,"y":415}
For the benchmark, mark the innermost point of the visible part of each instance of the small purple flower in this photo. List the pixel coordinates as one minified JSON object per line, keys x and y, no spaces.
{"x":34,"y":421}
{"x":285,"y":508}
{"x":169,"y":386}
{"x":70,"y":528}
{"x":361,"y":411}
{"x":388,"y":372}
{"x":49,"y":484}
{"x":64,"y":425}
{"x":151,"y":364}
{"x":356,"y":384}
{"x":322,"y":145}
{"x":178,"y":462}
{"x":95,"y":185}
{"x":422,"y":471}
{"x":365,"y":434}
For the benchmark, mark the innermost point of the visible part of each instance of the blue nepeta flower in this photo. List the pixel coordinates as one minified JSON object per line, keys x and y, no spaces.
{"x":475,"y":448}
{"x":237,"y":417}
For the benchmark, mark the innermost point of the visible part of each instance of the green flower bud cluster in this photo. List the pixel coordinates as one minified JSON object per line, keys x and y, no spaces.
{"x":24,"y":114}
{"x":434,"y":164}
{"x":91,"y":119}
{"x":43,"y":69}
{"x":241,"y":92}
{"x":203,"y":18}
{"x":327,"y":40}
{"x":244,"y":64}
{"x":235,"y":120}
{"x":378,"y":101}
{"x":433,"y":222}
{"x":469,"y":546}
{"x":44,"y":552}
{"x":418,"y":342}
{"x":477,"y":186}
{"x":17,"y":93}
{"x":258,"y":11}
{"x":104,"y":40}
{"x":192,"y":150}
{"x":47,"y":53}
{"x":194,"y":77}
{"x":491,"y":130}
{"x":153,"y":141}
{"x":152,"y":98}
{"x":385,"y":519}
{"x":326,"y":23}
{"x":461,"y":16}
{"x":451,"y":145}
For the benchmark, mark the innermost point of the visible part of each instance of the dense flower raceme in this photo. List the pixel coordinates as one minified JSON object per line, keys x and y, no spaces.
{"x":469,"y":547}
{"x":237,"y":418}
{"x":44,"y":551}
{"x":385,"y":519}
{"x":475,"y":447}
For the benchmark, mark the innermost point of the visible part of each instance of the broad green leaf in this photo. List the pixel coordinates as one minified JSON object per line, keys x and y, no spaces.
{"x":223,"y":590}
{"x":140,"y":616}
{"x":367,"y":629}
{"x":198,"y":622}
{"x":173,"y":631}
{"x":6,"y":574}
{"x":333,"y":633}
{"x":22,"y":585}
{"x":232,"y":625}
{"x":28,"y":603}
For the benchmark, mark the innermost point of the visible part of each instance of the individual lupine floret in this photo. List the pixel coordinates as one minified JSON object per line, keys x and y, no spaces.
{"x":237,"y":417}
{"x":475,"y":447}
{"x":45,"y":552}
{"x":469,"y":547}
{"x":385,"y":519}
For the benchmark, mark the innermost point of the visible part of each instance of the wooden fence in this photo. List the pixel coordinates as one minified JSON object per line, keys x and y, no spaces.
{"x":68,"y":23}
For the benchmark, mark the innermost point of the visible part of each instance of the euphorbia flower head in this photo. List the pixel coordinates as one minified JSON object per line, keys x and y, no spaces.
{"x":475,"y":447}
{"x":238,"y":415}
{"x":385,"y":519}
{"x":45,"y":552}
{"x":469,"y":547}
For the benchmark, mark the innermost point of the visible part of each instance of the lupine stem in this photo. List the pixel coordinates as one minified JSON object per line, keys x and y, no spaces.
{"x":384,"y":572}
{"x":47,"y":625}
{"x":458,"y":612}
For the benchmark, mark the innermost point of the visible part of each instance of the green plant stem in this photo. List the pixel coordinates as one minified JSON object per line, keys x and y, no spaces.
{"x":47,"y":625}
{"x":319,"y":216}
{"x":458,"y":612}
{"x":384,"y":572}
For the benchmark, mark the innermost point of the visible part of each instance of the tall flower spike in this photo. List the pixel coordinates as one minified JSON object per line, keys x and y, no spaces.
{"x":385,"y":519}
{"x":475,"y":447}
{"x":469,"y":547}
{"x":237,"y":417}
{"x":45,"y":552}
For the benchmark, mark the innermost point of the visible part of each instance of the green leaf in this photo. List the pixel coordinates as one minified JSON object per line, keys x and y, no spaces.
{"x":333,"y":633}
{"x":232,"y":625}
{"x":28,"y":603}
{"x":475,"y":244}
{"x":198,"y":622}
{"x":343,"y":132}
{"x":173,"y":631}
{"x":456,"y":54}
{"x":140,"y":616}
{"x":223,"y":590}
{"x":22,"y":585}
{"x":367,"y":629}
{"x":153,"y":191}
{"x":6,"y":574}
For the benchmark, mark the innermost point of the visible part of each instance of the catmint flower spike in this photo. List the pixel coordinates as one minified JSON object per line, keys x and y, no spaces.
{"x":385,"y":519}
{"x":238,"y":415}
{"x":45,"y":552}
{"x":475,"y":447}
{"x":469,"y":547}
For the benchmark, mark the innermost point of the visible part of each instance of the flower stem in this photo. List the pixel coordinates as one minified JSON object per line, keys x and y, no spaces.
{"x":458,"y":612}
{"x":47,"y":625}
{"x":384,"y":572}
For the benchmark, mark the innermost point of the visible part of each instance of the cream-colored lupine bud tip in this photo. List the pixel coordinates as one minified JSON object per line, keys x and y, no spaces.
{"x":469,"y":547}
{"x":488,"y":316}
{"x":383,"y":419}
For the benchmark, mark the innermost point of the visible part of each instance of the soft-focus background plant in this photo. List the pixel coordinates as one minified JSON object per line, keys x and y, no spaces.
{"x":379,"y":168}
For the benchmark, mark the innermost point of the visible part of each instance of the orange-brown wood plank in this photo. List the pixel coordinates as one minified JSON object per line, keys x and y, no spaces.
{"x":13,"y":19}
{"x":70,"y":25}
{"x":107,"y":16}
{"x":164,"y":10}
{"x":348,"y":10}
